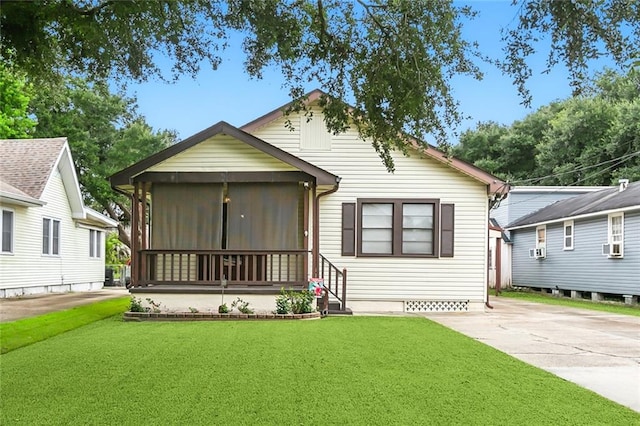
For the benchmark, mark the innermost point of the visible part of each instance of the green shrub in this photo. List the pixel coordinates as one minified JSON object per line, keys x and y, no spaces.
{"x":302,"y":302}
{"x":283,"y":302}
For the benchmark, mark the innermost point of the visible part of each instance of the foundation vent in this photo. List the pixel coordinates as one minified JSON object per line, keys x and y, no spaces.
{"x":436,"y":305}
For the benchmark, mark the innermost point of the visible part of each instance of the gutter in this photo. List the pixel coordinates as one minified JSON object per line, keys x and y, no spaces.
{"x":315,"y":253}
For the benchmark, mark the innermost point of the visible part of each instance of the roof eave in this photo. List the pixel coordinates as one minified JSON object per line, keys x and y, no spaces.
{"x":574,"y":217}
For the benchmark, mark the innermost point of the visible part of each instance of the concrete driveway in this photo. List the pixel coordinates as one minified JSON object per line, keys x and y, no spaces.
{"x":597,"y":350}
{"x":16,"y":308}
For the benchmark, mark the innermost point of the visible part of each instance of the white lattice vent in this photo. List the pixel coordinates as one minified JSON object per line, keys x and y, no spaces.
{"x":436,"y":305}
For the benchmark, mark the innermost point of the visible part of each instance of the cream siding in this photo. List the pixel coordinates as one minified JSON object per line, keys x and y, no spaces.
{"x":28,"y":271}
{"x":462,"y":277}
{"x":221,"y":153}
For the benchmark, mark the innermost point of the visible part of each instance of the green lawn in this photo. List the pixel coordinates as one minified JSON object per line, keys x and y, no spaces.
{"x":338,"y":370}
{"x":613,"y":307}
{"x":16,"y":334}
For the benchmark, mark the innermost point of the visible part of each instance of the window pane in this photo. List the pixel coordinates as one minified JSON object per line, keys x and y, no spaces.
{"x":417,"y":241}
{"x":56,"y":237}
{"x":377,"y":228}
{"x":46,"y":226}
{"x":92,"y":243}
{"x":616,"y":229}
{"x":568,"y":230}
{"x":567,"y":242}
{"x":377,"y":215}
{"x":98,"y":243}
{"x":377,"y":241}
{"x":7,"y":231}
{"x":417,"y":232}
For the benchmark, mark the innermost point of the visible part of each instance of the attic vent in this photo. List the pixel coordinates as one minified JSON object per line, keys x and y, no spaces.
{"x":436,"y":305}
{"x":314,"y":135}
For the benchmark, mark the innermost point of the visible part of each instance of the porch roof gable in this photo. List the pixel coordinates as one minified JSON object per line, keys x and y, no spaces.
{"x":127,"y":175}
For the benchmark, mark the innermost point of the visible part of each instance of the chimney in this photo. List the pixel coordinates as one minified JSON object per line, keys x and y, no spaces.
{"x":623,"y":184}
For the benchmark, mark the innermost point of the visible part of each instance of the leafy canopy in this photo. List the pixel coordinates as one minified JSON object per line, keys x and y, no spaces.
{"x":105,"y":135}
{"x":15,"y":94}
{"x":593,"y":139}
{"x":393,"y":60}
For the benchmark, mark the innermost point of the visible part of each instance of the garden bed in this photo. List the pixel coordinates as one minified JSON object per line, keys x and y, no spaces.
{"x":211,"y":316}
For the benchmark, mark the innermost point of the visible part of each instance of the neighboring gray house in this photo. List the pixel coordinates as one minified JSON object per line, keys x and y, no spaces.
{"x":522,"y":200}
{"x":586,"y":244}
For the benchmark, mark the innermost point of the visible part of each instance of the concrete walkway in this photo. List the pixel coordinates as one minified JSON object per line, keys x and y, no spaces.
{"x":16,"y":308}
{"x":597,"y":350}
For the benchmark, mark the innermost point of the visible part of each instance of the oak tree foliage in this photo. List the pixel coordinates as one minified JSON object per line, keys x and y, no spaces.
{"x":391,"y":60}
{"x":105,"y":135}
{"x":592,"y":139}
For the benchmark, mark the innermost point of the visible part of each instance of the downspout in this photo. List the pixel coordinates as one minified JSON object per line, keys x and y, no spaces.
{"x":315,"y":253}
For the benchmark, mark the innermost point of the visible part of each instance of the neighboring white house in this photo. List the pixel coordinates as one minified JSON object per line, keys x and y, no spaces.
{"x":263,"y":207}
{"x":50,"y":241}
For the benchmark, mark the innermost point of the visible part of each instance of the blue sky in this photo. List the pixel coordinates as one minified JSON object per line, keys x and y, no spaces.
{"x":228,"y":94}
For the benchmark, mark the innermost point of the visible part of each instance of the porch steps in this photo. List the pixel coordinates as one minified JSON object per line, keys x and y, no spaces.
{"x":334,"y":309}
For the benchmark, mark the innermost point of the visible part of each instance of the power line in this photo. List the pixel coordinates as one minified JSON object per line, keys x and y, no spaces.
{"x":579,"y":169}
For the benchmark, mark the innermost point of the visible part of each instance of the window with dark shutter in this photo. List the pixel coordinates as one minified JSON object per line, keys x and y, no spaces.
{"x":447,"y":213}
{"x":348,"y":229}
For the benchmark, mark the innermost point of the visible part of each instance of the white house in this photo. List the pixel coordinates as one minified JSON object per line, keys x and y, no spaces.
{"x":50,"y":241}
{"x":261,"y":207}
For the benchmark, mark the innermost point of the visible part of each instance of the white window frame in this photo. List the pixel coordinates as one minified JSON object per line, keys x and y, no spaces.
{"x":568,"y":225}
{"x":95,"y":244}
{"x":50,"y":246}
{"x":541,"y":244}
{"x":617,"y":238}
{"x":12,"y":231}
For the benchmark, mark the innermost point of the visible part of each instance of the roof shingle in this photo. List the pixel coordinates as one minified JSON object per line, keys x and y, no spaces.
{"x":26,"y":164}
{"x":593,"y":202}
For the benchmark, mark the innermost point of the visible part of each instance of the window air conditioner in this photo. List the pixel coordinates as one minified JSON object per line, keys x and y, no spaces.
{"x":612,"y":250}
{"x":537,"y":253}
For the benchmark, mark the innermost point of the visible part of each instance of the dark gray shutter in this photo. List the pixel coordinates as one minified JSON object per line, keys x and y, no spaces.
{"x":348,"y":229}
{"x":447,"y":222}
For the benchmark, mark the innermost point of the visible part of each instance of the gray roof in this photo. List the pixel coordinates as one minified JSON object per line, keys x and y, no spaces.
{"x":26,"y":164}
{"x":590,"y":203}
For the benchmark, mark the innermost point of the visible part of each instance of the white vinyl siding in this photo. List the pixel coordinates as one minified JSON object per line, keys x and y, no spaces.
{"x":72,"y":269}
{"x":7,"y":227}
{"x":568,"y":235}
{"x":221,"y":153}
{"x":462,"y":277}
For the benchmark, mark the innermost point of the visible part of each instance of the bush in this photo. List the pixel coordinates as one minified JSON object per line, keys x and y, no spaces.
{"x":297,"y":302}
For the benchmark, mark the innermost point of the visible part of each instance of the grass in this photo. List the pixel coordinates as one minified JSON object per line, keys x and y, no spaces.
{"x":17,"y":334}
{"x":616,"y":308}
{"x":339,"y":370}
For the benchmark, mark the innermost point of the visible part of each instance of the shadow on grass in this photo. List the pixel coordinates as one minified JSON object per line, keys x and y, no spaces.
{"x":20,"y":333}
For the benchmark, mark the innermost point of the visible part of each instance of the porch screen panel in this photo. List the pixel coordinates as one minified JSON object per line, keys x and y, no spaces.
{"x":263,"y":216}
{"x":186,"y":216}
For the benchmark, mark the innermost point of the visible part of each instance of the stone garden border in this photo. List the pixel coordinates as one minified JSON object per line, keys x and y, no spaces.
{"x":211,"y":316}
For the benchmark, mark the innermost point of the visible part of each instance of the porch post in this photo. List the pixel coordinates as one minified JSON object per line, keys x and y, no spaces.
{"x":135,"y":279}
{"x":143,"y":227}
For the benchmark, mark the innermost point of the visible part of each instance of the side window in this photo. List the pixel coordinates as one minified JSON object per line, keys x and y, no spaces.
{"x":6,"y":238}
{"x":50,"y":237}
{"x":95,"y":243}
{"x":541,"y":237}
{"x":568,"y":235}
{"x":616,"y":235}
